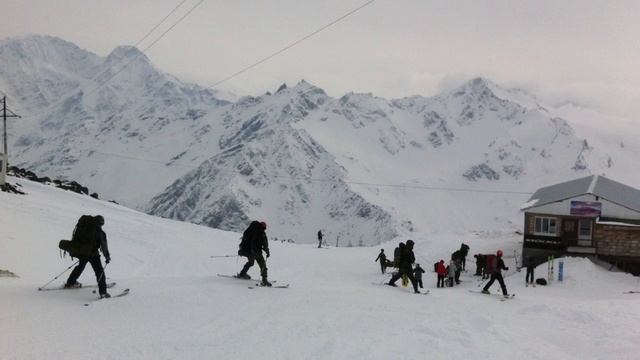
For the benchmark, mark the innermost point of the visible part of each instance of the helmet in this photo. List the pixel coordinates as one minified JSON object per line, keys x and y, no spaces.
{"x":263,"y":224}
{"x":99,"y":219}
{"x":410,"y":242}
{"x":499,"y":253}
{"x":381,"y":250}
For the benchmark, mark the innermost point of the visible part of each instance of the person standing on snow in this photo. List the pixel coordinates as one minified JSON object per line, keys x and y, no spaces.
{"x":383,"y":261}
{"x":405,"y":262}
{"x":442,"y":273}
{"x":254,"y":241}
{"x":496,"y":274}
{"x":530,"y":268}
{"x":451,"y":272}
{"x":319,"y":238}
{"x":417,"y":273}
{"x":93,"y":259}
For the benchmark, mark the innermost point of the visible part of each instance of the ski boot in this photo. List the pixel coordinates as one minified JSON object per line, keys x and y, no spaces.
{"x":486,"y":292}
{"x":105,"y":296}
{"x":242,"y":275}
{"x":265,"y":282}
{"x":391,"y":284}
{"x":75,"y":285}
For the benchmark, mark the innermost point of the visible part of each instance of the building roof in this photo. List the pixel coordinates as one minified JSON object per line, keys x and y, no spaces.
{"x":608,"y":189}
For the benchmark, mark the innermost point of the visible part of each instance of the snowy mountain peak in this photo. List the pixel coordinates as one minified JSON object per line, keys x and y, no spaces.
{"x":126,"y":53}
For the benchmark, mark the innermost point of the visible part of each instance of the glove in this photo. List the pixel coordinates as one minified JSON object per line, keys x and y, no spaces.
{"x":107,"y":260}
{"x":268,"y":254}
{"x":506,"y":268}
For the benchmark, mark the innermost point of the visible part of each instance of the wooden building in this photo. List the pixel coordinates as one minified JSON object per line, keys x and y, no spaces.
{"x":590,"y":216}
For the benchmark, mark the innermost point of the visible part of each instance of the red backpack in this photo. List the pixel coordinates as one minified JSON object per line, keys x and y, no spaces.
{"x":492,"y":264}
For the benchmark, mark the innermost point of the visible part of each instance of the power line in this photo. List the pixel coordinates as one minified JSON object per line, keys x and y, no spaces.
{"x":292,"y":44}
{"x":158,"y":24}
{"x":311,"y":179}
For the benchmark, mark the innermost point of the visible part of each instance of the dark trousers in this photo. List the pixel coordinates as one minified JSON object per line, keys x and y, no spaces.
{"x":419,"y":281}
{"x":458,"y":276}
{"x":97,"y":268}
{"x":250,"y":261}
{"x":383,"y":266}
{"x":495,"y":277}
{"x":440,"y":281}
{"x":409,"y":273}
{"x":529,"y":272}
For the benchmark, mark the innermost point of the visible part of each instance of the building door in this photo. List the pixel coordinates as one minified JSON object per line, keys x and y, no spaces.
{"x":570,"y":231}
{"x":585,"y":231}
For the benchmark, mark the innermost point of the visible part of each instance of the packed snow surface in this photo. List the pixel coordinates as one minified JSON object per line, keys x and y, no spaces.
{"x":179,"y":309}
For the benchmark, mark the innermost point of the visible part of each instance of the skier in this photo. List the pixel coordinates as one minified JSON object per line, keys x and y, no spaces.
{"x":478,"y":265}
{"x":396,"y":254}
{"x":406,"y":259}
{"x":442,"y":273}
{"x":530,"y":268}
{"x":383,"y":261}
{"x":254,"y":241}
{"x":452,"y":269}
{"x":417,"y":273}
{"x":464,"y":251}
{"x":94,"y":260}
{"x":496,"y":274}
{"x":319,"y":238}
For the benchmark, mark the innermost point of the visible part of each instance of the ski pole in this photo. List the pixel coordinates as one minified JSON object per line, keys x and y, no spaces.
{"x":67,"y":269}
{"x":103,"y":270}
{"x":483,"y":281}
{"x":222,"y":256}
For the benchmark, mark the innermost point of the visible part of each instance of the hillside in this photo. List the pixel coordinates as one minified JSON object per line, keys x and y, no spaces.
{"x":363,"y":168}
{"x":179,"y":309}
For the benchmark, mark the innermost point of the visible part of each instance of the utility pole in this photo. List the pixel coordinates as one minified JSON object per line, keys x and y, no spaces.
{"x":4,"y":157}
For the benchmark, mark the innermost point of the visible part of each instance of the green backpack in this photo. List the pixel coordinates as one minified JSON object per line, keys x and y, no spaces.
{"x":84,"y":242}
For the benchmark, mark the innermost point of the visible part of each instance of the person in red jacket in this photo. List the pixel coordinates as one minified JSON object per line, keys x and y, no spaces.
{"x":442,"y":273}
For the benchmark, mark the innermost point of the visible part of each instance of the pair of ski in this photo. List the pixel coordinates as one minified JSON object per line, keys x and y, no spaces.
{"x":425,"y":292}
{"x":109,"y":285}
{"x":257,"y":285}
{"x":502,"y":297}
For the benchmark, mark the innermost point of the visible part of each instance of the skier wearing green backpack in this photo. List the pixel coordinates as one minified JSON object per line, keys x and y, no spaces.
{"x":88,"y":238}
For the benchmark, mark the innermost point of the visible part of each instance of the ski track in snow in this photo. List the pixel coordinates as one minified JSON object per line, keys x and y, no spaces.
{"x":179,"y":309}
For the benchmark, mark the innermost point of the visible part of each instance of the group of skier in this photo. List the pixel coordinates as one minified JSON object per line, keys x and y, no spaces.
{"x":254,"y":242}
{"x":488,"y":266}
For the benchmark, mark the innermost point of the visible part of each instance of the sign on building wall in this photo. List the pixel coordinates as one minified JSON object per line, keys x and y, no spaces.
{"x":586,"y":208}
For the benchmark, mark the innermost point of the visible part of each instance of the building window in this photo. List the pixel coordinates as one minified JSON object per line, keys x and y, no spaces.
{"x":545,"y":226}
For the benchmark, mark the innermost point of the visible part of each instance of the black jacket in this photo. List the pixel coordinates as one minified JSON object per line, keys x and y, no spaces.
{"x":102,"y":243}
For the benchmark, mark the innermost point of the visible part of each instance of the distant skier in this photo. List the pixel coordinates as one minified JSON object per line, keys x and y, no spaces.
{"x":464,"y":251}
{"x":417,"y":273}
{"x":479,"y":265}
{"x":452,"y":269}
{"x":383,"y":261}
{"x":442,"y":273}
{"x":495,"y":269}
{"x":530,"y":269}
{"x":254,"y":241}
{"x":91,"y":229}
{"x":319,"y":238}
{"x":396,"y":254}
{"x":405,"y":261}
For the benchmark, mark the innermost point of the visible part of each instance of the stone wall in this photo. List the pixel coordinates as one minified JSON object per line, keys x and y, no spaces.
{"x":617,"y":240}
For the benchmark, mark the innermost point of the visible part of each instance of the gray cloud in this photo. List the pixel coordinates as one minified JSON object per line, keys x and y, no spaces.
{"x":582,"y":51}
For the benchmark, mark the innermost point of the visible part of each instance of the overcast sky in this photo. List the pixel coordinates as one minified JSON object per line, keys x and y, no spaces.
{"x":584,"y":51}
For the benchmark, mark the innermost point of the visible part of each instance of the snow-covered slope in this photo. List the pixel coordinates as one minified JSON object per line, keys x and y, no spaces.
{"x":363,"y":168}
{"x":179,"y":309}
